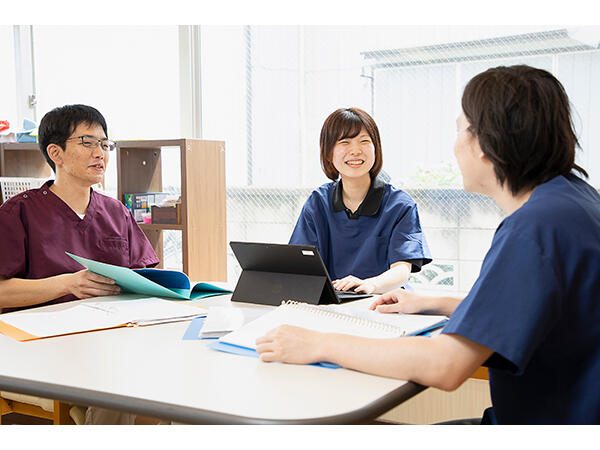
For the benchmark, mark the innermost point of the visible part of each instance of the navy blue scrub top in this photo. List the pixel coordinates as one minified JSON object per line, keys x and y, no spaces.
{"x":383,"y":230}
{"x":536,"y":304}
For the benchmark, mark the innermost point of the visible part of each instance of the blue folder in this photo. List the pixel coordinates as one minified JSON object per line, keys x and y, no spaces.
{"x":154,"y":282}
{"x":244,"y":351}
{"x":193,"y":330}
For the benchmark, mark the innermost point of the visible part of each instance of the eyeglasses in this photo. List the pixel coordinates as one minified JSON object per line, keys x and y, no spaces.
{"x":92,"y":142}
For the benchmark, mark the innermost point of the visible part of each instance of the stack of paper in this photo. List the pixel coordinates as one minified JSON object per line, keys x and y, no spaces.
{"x":327,"y":319}
{"x":222,"y":320}
{"x":411,"y":323}
{"x":89,"y":316}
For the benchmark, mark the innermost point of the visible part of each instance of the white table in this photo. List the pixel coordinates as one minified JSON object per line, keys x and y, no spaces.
{"x":152,"y":371}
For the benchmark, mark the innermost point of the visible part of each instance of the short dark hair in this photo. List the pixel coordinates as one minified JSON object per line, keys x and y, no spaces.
{"x":347,"y":123}
{"x":522,"y":119}
{"x":60,"y":123}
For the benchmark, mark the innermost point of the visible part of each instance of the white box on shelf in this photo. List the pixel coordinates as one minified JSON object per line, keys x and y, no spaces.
{"x":12,"y":186}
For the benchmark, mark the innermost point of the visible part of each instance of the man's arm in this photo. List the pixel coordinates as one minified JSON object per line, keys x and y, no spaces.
{"x":444,"y":362}
{"x":20,"y":292}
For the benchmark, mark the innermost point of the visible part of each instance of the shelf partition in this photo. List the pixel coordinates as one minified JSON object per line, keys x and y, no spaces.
{"x":203,"y":219}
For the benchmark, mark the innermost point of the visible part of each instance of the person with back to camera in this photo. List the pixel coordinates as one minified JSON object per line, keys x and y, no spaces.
{"x":532,"y":315}
{"x":66,"y":214}
{"x":367,"y":231}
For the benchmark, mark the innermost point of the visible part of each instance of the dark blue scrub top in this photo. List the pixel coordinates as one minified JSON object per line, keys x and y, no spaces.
{"x":384,"y":229}
{"x":536,"y":304}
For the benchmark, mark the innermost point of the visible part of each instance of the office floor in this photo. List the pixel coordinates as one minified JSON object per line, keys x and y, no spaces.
{"x":433,"y":405}
{"x":19,"y":419}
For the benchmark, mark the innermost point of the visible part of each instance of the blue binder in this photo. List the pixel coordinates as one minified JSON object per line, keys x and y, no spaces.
{"x":154,"y":282}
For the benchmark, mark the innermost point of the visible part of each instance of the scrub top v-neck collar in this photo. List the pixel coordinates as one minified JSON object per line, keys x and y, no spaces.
{"x":368,"y":207}
{"x":82,"y":224}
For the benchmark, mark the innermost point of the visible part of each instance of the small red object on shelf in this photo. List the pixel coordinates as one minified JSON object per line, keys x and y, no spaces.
{"x":4,"y":125}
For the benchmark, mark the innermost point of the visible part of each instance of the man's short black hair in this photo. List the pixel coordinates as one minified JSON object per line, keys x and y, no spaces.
{"x":60,"y":123}
{"x":522,"y":118}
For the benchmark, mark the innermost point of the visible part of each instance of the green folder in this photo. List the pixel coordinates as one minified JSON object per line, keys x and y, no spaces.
{"x":154,"y":282}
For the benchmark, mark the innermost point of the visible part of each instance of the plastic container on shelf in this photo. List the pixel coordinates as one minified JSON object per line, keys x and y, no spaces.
{"x":12,"y":186}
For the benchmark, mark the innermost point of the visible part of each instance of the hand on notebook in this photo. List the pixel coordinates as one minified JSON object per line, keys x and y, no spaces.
{"x":289,"y":344}
{"x":354,"y":283}
{"x":86,"y":284}
{"x":400,"y":300}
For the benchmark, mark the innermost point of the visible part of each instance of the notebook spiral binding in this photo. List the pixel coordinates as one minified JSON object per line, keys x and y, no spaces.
{"x":340,"y":316}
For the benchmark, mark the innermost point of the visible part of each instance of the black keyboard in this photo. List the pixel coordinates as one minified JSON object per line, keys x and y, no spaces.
{"x":351,"y":295}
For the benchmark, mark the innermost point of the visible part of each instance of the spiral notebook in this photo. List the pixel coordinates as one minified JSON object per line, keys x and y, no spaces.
{"x":369,"y":324}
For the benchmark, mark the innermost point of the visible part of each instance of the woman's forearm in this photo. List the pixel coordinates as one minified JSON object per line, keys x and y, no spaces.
{"x":443,"y":362}
{"x":393,"y":278}
{"x":440,"y":305}
{"x":19,"y":292}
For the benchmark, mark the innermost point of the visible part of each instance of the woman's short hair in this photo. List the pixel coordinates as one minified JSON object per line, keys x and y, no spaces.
{"x":347,"y":123}
{"x":522,"y":119}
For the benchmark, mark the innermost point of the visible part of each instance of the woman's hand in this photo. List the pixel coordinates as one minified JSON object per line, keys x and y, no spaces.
{"x":355,"y":283}
{"x":408,"y":302}
{"x":86,"y":284}
{"x":401,"y":300}
{"x":289,"y":344}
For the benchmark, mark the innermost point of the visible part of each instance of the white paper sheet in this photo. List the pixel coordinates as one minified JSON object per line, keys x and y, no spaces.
{"x":332,"y":320}
{"x":222,"y":320}
{"x":98,"y":315}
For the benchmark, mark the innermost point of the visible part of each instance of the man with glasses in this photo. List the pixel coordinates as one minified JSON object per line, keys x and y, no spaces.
{"x":39,"y":225}
{"x":66,"y":214}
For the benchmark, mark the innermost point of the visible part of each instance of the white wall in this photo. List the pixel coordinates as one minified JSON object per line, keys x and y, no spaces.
{"x":8,"y":103}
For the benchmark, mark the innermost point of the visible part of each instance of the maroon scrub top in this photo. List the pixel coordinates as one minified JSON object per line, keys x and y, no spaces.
{"x":37,"y":227}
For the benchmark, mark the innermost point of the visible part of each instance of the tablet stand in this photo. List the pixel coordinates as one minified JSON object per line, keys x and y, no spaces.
{"x":271,"y":288}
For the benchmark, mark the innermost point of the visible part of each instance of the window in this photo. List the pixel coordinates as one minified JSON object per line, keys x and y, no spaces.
{"x":129,"y":73}
{"x":267,"y":90}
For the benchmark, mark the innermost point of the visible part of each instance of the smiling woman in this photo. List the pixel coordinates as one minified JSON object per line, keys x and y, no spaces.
{"x":368,"y":232}
{"x":532,"y":314}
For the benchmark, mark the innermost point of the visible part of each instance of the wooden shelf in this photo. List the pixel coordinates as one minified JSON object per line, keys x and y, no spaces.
{"x":154,"y":143}
{"x":158,"y":143}
{"x":203,"y":222}
{"x":481,"y":373}
{"x":160,"y":226}
{"x":34,"y":146}
{"x":139,"y":169}
{"x":23,"y":160}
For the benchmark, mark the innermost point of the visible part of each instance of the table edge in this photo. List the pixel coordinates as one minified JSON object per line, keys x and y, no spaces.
{"x":186,"y":414}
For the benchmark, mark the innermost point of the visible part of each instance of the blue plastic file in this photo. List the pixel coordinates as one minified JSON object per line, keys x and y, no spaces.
{"x":236,"y":350}
{"x":193,"y":330}
{"x":154,"y":282}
